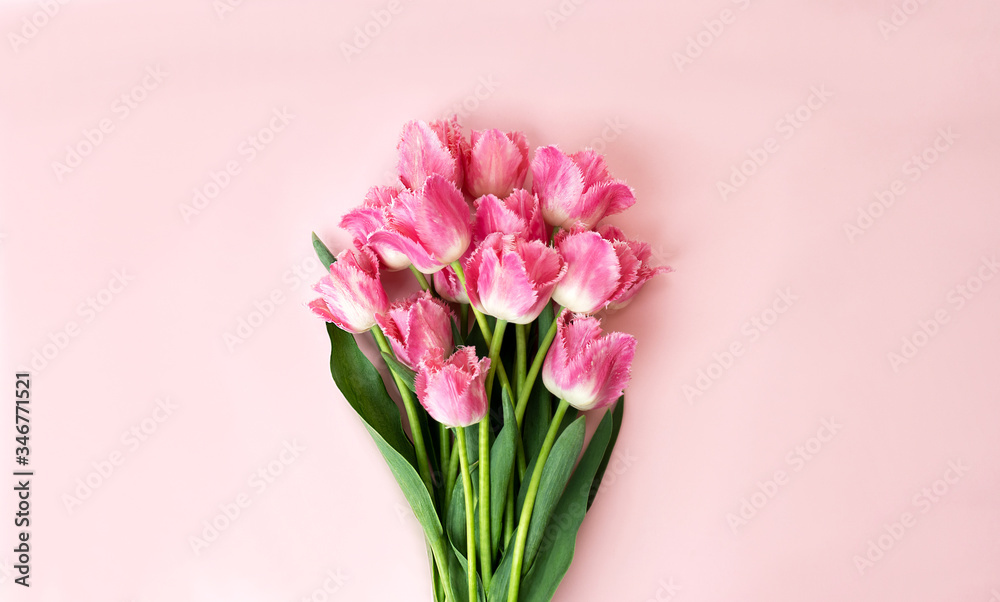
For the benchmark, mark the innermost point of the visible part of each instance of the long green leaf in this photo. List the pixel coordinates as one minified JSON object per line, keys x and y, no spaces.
{"x":617,"y":416}
{"x":364,"y":389}
{"x":502,"y":456}
{"x":555,"y":474}
{"x":556,"y":554}
{"x":323,"y":252}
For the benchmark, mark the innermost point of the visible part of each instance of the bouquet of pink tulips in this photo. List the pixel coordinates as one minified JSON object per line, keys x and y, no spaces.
{"x":492,"y":464}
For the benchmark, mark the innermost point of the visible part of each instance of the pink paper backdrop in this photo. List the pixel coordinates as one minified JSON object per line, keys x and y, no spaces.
{"x":814,"y":414}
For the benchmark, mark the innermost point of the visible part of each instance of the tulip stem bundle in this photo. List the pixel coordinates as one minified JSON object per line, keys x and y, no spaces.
{"x":540,"y":259}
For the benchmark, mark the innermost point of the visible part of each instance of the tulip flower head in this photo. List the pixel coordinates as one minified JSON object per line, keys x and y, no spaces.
{"x":511,"y":278}
{"x":587,"y":369}
{"x":426,"y":149}
{"x":418,"y":329}
{"x":518,"y":213}
{"x":372,"y":216}
{"x":351,"y":295}
{"x":498,"y":163}
{"x":633,"y":258}
{"x":447,"y":285}
{"x":431,"y":226}
{"x":576,"y":190}
{"x":592,"y":271}
{"x":453,"y":390}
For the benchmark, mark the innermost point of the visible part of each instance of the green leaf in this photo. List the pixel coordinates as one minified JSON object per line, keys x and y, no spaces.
{"x":412,"y":485}
{"x":460,"y":577}
{"x":537,"y":416}
{"x":502,"y":456}
{"x":325,"y":256}
{"x":555,"y":474}
{"x":456,"y":515}
{"x":399,"y":369}
{"x":364,"y":389}
{"x":554,"y":558}
{"x":617,"y":416}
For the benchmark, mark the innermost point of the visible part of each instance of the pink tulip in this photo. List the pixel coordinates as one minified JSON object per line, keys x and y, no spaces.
{"x":519,"y":213}
{"x":418,"y":329}
{"x":447,"y":285}
{"x":592,"y":271}
{"x":511,"y":278}
{"x":576,"y":189}
{"x":453,"y":391}
{"x":633,"y":258}
{"x":497,"y":163}
{"x":426,"y":149}
{"x":372,"y":216}
{"x":430,"y":227}
{"x":585,"y":368}
{"x":352,"y":294}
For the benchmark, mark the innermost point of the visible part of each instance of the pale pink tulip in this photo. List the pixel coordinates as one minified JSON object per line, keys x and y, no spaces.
{"x":447,"y":285}
{"x":592,"y":271}
{"x":633,"y":259}
{"x":585,"y":368}
{"x":352,"y":294}
{"x":453,"y":391}
{"x":576,"y":190}
{"x":511,"y":278}
{"x":418,"y":329}
{"x":519,"y":214}
{"x":431,"y":227}
{"x":432,"y":148}
{"x":372,"y":216}
{"x":497,"y":164}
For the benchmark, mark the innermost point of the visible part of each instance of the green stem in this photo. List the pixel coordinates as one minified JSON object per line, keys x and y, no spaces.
{"x":508,"y":519}
{"x":445,"y":436}
{"x":480,"y":318}
{"x":449,"y":483}
{"x":524,"y":392}
{"x":441,"y":559}
{"x":470,"y":521}
{"x":411,"y":415}
{"x":529,"y":502}
{"x":521,"y":367}
{"x":421,"y":279}
{"x":485,"y":538}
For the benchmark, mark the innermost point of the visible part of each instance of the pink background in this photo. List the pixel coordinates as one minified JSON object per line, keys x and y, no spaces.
{"x":604,"y":74}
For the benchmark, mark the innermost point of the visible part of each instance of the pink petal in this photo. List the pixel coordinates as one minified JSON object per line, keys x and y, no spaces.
{"x":447,"y":285}
{"x":501,"y":284}
{"x":603,"y":200}
{"x":558,"y":182}
{"x":592,"y":272}
{"x":443,"y":220}
{"x":526,"y":205}
{"x":592,"y":166}
{"x":498,"y":163}
{"x":422,"y":154}
{"x":494,"y":215}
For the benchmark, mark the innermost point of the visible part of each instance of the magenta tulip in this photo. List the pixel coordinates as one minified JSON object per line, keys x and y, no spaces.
{"x":498,"y":163}
{"x":352,"y":294}
{"x":576,"y":189}
{"x":587,"y":369}
{"x":447,"y":285}
{"x":426,"y":149}
{"x":519,"y":213}
{"x":372,"y":216}
{"x":418,"y":329}
{"x":453,"y":391}
{"x":511,"y":278}
{"x":633,"y":259}
{"x":592,"y":271}
{"x":431,"y":227}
